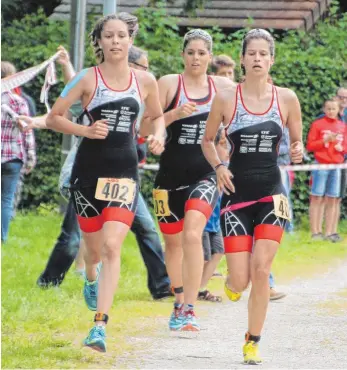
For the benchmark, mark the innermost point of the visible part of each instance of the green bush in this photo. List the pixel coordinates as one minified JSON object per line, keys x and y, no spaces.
{"x":313,"y":65}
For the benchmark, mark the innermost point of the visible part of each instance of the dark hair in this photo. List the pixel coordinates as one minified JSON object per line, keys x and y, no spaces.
{"x":135,"y":54}
{"x":198,"y":34}
{"x":222,"y":61}
{"x":95,"y":35}
{"x":257,"y":33}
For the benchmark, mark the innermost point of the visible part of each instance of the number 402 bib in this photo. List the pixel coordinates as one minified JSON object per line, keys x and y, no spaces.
{"x":116,"y":190}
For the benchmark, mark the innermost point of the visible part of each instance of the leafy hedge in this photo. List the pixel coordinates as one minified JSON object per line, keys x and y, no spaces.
{"x":313,"y":64}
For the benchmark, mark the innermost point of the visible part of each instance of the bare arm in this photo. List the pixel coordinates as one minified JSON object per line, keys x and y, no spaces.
{"x":213,"y":122}
{"x":73,"y":92}
{"x":215,"y":118}
{"x":155,"y":116}
{"x":294,"y":124}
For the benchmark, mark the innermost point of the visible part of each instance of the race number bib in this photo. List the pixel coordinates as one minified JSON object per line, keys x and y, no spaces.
{"x":116,"y":190}
{"x":161,"y":203}
{"x":281,"y":206}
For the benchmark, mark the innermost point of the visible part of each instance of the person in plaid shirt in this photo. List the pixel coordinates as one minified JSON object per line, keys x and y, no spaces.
{"x":17,"y":150}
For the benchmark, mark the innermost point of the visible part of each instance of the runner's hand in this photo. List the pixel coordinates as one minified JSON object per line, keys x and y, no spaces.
{"x":186,"y":110}
{"x":224,"y":183}
{"x":156,"y":144}
{"x":296,"y":152}
{"x":98,"y":130}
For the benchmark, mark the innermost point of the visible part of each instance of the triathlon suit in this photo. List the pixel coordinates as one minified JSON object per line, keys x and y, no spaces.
{"x":113,"y":159}
{"x":185,"y":180}
{"x":250,"y":211}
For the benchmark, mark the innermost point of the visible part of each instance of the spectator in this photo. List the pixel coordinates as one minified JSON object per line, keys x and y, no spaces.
{"x":17,"y":150}
{"x":223,"y":66}
{"x":327,"y":140}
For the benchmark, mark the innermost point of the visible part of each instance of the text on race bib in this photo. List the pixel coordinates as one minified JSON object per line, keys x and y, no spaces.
{"x":116,"y":190}
{"x":281,"y":206}
{"x":161,"y":203}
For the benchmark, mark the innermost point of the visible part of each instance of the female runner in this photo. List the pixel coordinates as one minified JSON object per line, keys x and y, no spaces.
{"x":254,"y":207}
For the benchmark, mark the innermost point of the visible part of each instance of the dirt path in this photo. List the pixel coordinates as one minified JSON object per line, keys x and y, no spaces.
{"x":306,"y":330}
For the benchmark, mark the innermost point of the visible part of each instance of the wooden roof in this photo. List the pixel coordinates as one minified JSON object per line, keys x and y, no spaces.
{"x":285,"y":14}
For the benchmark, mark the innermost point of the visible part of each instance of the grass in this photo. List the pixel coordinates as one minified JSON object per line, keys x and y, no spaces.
{"x":44,"y":328}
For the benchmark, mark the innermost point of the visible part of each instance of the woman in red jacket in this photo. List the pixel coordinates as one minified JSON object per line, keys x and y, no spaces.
{"x":327,"y":140}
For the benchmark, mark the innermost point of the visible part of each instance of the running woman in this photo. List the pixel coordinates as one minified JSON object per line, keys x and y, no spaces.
{"x":104,"y":180}
{"x":254,"y":205}
{"x":185,"y":187}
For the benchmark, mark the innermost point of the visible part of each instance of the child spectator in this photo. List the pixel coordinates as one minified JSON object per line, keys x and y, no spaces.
{"x":328,"y":141}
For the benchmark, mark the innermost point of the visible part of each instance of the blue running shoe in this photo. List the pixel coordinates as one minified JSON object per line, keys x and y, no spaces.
{"x":90,"y":290}
{"x":96,"y":339}
{"x":189,"y":322}
{"x":175,"y":322}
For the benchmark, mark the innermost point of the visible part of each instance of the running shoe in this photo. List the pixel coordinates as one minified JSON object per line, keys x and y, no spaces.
{"x":189,"y":322}
{"x":175,"y":322}
{"x":96,"y":339}
{"x":233,"y":296}
{"x":90,"y":290}
{"x":251,"y":354}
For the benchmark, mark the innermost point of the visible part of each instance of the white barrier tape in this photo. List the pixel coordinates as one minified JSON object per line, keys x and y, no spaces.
{"x":310,"y":167}
{"x":298,"y":167}
{"x":22,"y":77}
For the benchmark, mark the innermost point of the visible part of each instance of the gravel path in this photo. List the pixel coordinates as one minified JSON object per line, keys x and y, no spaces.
{"x":306,"y":330}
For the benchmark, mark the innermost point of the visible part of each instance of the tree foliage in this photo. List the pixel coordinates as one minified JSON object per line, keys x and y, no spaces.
{"x":313,"y":65}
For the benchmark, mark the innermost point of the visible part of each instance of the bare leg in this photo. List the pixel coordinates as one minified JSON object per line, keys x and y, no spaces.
{"x":316,"y":212}
{"x":238,"y":270}
{"x":337,"y":216}
{"x":173,"y":261}
{"x":330,"y":217}
{"x":193,"y":259}
{"x":92,"y":255}
{"x":264,"y":252}
{"x":209,"y":268}
{"x":114,"y":235}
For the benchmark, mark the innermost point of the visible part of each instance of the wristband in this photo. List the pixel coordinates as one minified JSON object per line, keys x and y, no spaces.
{"x":219,"y":165}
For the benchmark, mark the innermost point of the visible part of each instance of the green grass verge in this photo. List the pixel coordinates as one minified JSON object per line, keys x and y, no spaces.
{"x":44,"y":328}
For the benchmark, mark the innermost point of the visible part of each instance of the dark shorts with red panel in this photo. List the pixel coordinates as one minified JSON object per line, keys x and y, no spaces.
{"x":201,"y":196}
{"x":244,"y":223}
{"x":92,"y":213}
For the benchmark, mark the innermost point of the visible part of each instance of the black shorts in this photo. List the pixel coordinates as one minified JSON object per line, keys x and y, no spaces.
{"x":92,"y":213}
{"x":201,"y":196}
{"x":257,"y":221}
{"x":212,"y":243}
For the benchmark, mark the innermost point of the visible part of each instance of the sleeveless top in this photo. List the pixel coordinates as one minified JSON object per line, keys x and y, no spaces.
{"x":254,"y":142}
{"x":116,"y":155}
{"x":183,"y":162}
